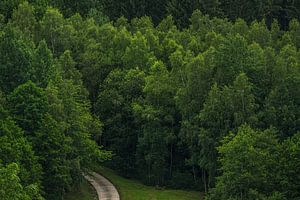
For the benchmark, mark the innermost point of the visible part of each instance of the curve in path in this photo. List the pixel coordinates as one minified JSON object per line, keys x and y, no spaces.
{"x":104,"y":188}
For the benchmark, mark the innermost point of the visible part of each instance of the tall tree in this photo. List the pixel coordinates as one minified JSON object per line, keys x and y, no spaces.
{"x":10,"y":185}
{"x":290,"y":154}
{"x":224,"y":110}
{"x":52,"y":147}
{"x":14,"y":71}
{"x":282,"y":103}
{"x":56,"y":32}
{"x":29,"y":105}
{"x":114,"y":106}
{"x":42,"y":65}
{"x":24,"y":19}
{"x":249,"y":166}
{"x":155,"y":148}
{"x":72,"y":109}
{"x":16,"y":154}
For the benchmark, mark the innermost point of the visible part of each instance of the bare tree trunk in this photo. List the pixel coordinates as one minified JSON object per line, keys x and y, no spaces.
{"x":204,"y":180}
{"x":171,"y":160}
{"x":194,"y":174}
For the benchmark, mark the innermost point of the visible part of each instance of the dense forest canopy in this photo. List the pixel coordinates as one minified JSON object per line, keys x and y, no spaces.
{"x":184,"y":94}
{"x":181,"y":10}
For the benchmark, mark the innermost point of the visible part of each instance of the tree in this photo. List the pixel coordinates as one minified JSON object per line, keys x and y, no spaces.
{"x":224,"y":110}
{"x":11,"y":187}
{"x":196,"y":80}
{"x":97,"y":60}
{"x":42,"y":65}
{"x":282,"y":103}
{"x":131,"y":9}
{"x":14,"y":71}
{"x":248,"y":165}
{"x":181,"y":10}
{"x":21,"y":168}
{"x":72,"y":110}
{"x":56,"y":32}
{"x":229,"y":65}
{"x":155,"y":149}
{"x":114,"y":106}
{"x":28,"y":105}
{"x":69,"y":7}
{"x":24,"y":19}
{"x":8,"y":6}
{"x":138,"y":53}
{"x":259,"y":33}
{"x":67,"y":67}
{"x":247,"y":10}
{"x":289,"y":162}
{"x":53,"y":147}
{"x":294,"y":27}
{"x":284,"y":12}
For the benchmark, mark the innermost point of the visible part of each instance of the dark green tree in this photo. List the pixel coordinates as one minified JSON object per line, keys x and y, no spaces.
{"x":114,"y":106}
{"x":28,"y":105}
{"x":289,"y":162}
{"x":224,"y":110}
{"x":155,"y":149}
{"x":16,"y":57}
{"x":42,"y":65}
{"x":52,"y":147}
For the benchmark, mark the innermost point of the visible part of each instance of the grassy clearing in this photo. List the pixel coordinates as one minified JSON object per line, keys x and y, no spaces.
{"x":133,"y":190}
{"x":84,"y":192}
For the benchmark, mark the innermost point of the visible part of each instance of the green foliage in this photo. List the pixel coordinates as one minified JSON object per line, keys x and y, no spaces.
{"x":71,"y":7}
{"x":22,"y":172}
{"x":282,"y":104}
{"x":252,"y":166}
{"x":7,"y":7}
{"x":157,"y":117}
{"x":55,"y":31}
{"x":70,"y":108}
{"x":249,"y":165}
{"x":42,"y":65}
{"x":29,"y":105}
{"x":10,"y":185}
{"x":289,"y":161}
{"x":231,"y":59}
{"x":14,"y":71}
{"x":84,"y":191}
{"x":24,"y":19}
{"x":224,"y":110}
{"x":62,"y":142}
{"x":138,"y":54}
{"x":54,"y":147}
{"x":161,"y":92}
{"x":119,"y":91}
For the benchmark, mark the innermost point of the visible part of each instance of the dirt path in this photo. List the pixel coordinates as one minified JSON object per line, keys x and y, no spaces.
{"x":104,"y":188}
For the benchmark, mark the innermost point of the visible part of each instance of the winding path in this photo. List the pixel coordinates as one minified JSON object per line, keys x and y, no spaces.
{"x":104,"y":188}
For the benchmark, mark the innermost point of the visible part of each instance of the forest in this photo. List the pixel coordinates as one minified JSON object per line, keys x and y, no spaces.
{"x":185,"y":94}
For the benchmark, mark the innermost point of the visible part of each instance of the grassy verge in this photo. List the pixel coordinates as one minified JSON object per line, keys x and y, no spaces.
{"x":84,"y":192}
{"x":133,"y":190}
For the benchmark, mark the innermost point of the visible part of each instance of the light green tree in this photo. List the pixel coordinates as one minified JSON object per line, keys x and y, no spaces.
{"x":249,"y":166}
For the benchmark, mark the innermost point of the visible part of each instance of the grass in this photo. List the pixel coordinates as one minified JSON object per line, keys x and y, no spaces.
{"x":133,"y":190}
{"x":84,"y":192}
